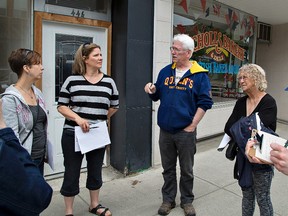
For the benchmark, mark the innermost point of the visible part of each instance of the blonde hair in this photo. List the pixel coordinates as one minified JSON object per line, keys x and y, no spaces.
{"x":83,"y":52}
{"x":256,"y":73}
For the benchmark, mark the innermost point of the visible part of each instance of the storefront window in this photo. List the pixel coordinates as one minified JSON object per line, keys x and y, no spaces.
{"x":15,"y":24}
{"x":224,"y":41}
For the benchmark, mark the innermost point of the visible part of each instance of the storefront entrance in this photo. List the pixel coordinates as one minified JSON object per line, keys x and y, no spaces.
{"x":57,"y":38}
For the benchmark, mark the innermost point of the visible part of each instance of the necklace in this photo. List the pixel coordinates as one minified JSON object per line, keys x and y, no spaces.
{"x":31,"y":96}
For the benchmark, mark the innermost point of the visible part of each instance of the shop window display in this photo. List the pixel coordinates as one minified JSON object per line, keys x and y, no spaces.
{"x":224,"y":41}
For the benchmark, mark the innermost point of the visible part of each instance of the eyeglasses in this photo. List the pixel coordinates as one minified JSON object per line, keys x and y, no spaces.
{"x":242,"y":78}
{"x":174,"y":49}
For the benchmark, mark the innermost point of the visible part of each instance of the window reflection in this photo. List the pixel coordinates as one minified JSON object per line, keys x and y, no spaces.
{"x":88,"y":5}
{"x":224,"y":41}
{"x":15,"y":23}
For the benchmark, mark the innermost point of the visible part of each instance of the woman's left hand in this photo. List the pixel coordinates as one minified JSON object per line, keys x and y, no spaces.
{"x":250,"y":144}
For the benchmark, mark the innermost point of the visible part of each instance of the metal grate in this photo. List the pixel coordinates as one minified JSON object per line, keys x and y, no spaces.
{"x":87,"y":5}
{"x":264,"y":32}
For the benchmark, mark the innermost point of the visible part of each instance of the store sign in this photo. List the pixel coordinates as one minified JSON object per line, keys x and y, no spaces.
{"x":220,"y":43}
{"x":217,"y":68}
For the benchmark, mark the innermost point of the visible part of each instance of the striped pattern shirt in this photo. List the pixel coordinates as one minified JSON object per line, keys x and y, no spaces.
{"x":89,"y":101}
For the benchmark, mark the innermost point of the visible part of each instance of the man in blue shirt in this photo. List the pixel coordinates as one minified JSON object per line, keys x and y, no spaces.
{"x":184,"y":91}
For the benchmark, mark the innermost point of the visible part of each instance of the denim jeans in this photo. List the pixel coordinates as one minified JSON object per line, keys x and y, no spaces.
{"x":183,"y":145}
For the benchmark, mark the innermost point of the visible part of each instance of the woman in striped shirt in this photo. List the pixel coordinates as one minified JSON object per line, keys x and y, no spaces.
{"x":88,"y":96}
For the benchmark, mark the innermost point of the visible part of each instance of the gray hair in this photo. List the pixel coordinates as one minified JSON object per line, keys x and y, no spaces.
{"x":257,"y":73}
{"x":186,"y":40}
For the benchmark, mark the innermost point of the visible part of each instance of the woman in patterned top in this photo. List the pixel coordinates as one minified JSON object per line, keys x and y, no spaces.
{"x":86,"y":97}
{"x":24,"y":106}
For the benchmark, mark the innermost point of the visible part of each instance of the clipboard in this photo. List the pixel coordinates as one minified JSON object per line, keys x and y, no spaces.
{"x":262,"y":149}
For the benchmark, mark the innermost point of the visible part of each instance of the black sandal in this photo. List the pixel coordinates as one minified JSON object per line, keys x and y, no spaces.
{"x":94,"y":210}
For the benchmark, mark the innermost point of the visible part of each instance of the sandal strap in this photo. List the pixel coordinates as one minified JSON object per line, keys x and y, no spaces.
{"x":99,"y":206}
{"x":104,"y":212}
{"x":94,"y":210}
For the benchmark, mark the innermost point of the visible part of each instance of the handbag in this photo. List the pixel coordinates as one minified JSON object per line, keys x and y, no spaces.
{"x":231,"y":150}
{"x":23,"y":190}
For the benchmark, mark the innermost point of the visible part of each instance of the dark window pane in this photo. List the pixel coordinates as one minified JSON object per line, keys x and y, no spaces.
{"x":88,"y":5}
{"x":66,"y":47}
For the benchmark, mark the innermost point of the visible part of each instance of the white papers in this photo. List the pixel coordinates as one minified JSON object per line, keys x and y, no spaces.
{"x":264,"y":153}
{"x":224,"y":142}
{"x":97,"y":137}
{"x":50,"y":154}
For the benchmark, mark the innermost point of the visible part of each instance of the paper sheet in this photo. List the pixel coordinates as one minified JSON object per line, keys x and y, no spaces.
{"x":224,"y":142}
{"x":264,"y":153}
{"x":97,"y":137}
{"x":50,"y":154}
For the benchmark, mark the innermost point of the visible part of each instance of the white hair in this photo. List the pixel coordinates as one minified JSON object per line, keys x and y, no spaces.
{"x":186,"y":40}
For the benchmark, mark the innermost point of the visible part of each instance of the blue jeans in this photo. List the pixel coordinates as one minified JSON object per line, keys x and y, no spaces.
{"x":182,"y":144}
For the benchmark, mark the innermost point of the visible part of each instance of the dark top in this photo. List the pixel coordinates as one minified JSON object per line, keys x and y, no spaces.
{"x":267,"y":111}
{"x":39,"y":132}
{"x":266,"y":108}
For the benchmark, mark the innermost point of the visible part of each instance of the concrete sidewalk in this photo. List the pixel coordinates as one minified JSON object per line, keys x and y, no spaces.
{"x":216,"y":192}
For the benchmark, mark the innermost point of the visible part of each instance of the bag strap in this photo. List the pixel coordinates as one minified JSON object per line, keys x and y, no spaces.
{"x":34,"y":123}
